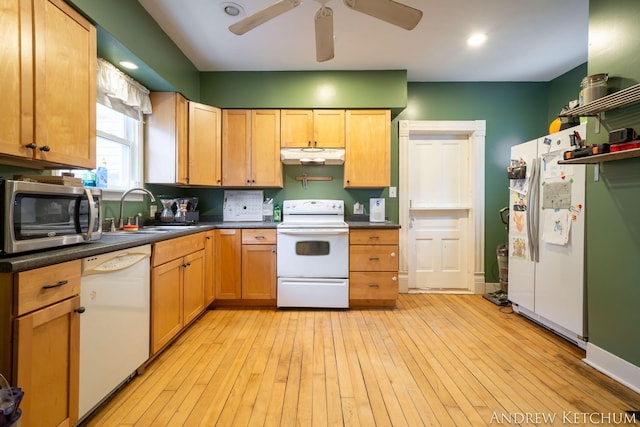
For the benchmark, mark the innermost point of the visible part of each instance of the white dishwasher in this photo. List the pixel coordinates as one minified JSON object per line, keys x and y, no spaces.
{"x":114,"y":329}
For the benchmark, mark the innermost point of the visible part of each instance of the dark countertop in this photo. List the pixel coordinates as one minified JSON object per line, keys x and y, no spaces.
{"x":122,"y":240}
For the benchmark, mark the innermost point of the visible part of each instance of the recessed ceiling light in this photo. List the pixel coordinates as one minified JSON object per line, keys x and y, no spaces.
{"x":232,"y":9}
{"x":477,"y":39}
{"x":129,"y":65}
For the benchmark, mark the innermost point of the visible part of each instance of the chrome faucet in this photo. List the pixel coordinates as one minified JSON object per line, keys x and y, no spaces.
{"x":152,"y":199}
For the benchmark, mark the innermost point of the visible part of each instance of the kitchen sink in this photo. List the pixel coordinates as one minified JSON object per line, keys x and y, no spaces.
{"x":154,"y":229}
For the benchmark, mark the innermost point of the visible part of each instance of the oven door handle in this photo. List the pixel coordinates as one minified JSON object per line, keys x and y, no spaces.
{"x":314,"y":232}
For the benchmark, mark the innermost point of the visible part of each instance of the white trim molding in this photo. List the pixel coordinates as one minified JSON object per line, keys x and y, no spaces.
{"x":624,"y":372}
{"x":475,"y":130}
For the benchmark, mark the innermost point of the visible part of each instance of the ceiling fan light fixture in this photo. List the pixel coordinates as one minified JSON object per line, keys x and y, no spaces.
{"x":232,"y":9}
{"x":477,"y":39}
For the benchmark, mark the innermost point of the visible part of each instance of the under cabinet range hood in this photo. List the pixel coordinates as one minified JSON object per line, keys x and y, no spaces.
{"x":312,"y":156}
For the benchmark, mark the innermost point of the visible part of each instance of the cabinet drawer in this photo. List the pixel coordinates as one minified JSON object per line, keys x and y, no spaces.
{"x":47,"y":285}
{"x":373,"y":286}
{"x":258,"y":236}
{"x":373,"y":258}
{"x":373,"y":237}
{"x":168,"y":250}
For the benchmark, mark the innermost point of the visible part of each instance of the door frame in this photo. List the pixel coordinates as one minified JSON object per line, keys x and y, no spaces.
{"x":475,"y":130}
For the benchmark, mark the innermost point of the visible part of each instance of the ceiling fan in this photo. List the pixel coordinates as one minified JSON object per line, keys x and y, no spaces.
{"x":389,"y":11}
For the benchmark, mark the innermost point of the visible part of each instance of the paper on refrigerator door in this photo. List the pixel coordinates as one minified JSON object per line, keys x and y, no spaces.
{"x":557,"y":225}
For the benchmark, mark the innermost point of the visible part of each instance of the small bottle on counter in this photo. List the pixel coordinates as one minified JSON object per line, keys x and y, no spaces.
{"x":277,"y":213}
{"x":267,"y":210}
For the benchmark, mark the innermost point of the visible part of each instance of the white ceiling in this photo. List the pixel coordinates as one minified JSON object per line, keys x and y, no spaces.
{"x":528,"y":40}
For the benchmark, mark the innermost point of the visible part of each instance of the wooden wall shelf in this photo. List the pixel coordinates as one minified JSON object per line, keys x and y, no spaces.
{"x":606,"y":157}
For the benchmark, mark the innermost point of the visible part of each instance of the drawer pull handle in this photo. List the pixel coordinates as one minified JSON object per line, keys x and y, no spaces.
{"x":374,"y":237}
{"x":259,"y":237}
{"x":374,"y":285}
{"x":186,"y":264}
{"x":56,"y":285}
{"x":374,"y":259}
{"x":80,"y":310}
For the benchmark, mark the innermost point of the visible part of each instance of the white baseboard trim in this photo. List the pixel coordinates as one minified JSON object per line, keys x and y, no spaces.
{"x":403,"y":282}
{"x":613,"y":366}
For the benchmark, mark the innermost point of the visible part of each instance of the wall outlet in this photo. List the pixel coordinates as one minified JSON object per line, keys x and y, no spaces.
{"x":392,"y":191}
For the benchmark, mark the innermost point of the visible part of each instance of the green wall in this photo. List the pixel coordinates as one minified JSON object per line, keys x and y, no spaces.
{"x":127,"y":32}
{"x":515,"y":112}
{"x":613,"y":202}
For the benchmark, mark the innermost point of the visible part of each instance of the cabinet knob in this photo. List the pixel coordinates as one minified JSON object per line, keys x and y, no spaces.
{"x":186,"y":264}
{"x":394,"y":278}
{"x":80,"y":310}
{"x":31,"y":145}
{"x":393,"y":254}
{"x":45,"y":148}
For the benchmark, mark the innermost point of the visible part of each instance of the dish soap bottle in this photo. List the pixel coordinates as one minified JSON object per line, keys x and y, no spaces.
{"x":102,"y":175}
{"x":277,"y":213}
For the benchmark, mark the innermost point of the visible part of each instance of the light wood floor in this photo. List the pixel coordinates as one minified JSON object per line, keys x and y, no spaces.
{"x":451,"y":360}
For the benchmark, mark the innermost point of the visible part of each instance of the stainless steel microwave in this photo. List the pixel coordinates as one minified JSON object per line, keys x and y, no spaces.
{"x":40,"y":216}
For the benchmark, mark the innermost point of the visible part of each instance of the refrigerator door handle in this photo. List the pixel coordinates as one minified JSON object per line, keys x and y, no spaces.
{"x":533,"y":211}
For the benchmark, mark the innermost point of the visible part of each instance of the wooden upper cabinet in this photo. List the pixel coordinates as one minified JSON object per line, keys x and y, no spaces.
{"x":205,"y":137}
{"x":48,"y":80}
{"x":236,"y":147}
{"x":367,"y":149}
{"x":312,"y":128}
{"x":251,"y":148}
{"x":182,"y":142}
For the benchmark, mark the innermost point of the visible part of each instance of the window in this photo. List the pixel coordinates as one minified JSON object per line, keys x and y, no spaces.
{"x":118,"y":147}
{"x":122,"y":102}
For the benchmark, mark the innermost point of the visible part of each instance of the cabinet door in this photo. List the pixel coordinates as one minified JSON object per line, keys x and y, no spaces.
{"x":65,"y":85}
{"x":16,"y":80}
{"x":367,"y":149}
{"x":266,"y":166}
{"x":166,"y":303}
{"x":204,"y":145}
{"x":228,"y":264}
{"x":236,"y":148}
{"x":166,"y":139}
{"x":193,"y":284}
{"x":209,"y":268}
{"x":297,"y":128}
{"x":48,"y":364}
{"x":329,"y":128}
{"x":258,"y":271}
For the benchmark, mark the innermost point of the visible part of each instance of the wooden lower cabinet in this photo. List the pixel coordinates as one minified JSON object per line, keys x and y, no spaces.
{"x":177,"y":287}
{"x":245,"y":267}
{"x":209,"y":267}
{"x":373,"y":267}
{"x":48,"y":355}
{"x":40,"y":341}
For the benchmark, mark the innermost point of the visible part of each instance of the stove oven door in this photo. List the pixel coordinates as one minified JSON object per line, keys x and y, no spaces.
{"x":304,"y":252}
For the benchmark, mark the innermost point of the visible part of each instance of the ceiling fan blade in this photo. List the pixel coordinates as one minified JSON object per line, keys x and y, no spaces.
{"x":324,"y":34}
{"x":389,"y":11}
{"x":262,"y":16}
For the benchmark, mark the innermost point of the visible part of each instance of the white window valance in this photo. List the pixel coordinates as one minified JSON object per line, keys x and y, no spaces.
{"x":120,"y":92}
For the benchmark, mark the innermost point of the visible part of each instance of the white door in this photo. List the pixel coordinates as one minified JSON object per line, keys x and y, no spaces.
{"x":439,"y":208}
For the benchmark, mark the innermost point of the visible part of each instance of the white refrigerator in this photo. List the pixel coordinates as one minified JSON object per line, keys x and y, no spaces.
{"x":546,"y":235}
